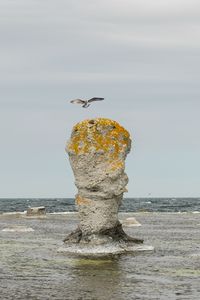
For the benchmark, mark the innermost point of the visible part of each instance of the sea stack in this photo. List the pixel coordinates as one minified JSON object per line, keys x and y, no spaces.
{"x":97,"y":151}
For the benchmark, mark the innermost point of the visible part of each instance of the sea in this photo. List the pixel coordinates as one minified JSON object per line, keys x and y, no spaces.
{"x":55,"y":205}
{"x":32,"y":267}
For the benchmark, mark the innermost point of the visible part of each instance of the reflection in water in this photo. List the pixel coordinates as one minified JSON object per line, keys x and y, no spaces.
{"x":102,"y":278}
{"x":99,"y":278}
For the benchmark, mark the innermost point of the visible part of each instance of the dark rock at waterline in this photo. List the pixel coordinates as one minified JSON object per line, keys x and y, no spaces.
{"x":114,"y":234}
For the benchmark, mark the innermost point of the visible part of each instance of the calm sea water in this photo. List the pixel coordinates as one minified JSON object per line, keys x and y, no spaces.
{"x":129,"y":204}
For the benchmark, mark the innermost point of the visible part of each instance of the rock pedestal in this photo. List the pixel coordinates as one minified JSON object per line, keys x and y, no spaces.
{"x":97,"y":151}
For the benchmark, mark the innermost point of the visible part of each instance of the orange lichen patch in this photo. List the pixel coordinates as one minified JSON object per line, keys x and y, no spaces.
{"x":99,"y":134}
{"x":82,"y":201}
{"x":119,"y":164}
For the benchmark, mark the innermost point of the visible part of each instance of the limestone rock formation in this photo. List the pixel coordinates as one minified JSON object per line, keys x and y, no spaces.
{"x":36,"y":211}
{"x":97,"y":151}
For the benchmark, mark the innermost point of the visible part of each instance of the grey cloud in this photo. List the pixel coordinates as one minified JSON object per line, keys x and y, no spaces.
{"x":142,"y":56}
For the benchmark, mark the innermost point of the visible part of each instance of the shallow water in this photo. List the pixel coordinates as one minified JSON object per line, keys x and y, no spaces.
{"x":31,"y":268}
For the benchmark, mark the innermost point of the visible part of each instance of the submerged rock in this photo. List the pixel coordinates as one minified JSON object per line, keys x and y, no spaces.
{"x":97,"y":151}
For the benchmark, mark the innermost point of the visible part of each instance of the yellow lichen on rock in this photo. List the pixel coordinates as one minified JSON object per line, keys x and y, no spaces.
{"x":119,"y":164}
{"x":82,"y":201}
{"x":99,"y":135}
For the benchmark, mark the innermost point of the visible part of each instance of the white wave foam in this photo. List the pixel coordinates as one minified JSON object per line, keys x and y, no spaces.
{"x":18,"y":228}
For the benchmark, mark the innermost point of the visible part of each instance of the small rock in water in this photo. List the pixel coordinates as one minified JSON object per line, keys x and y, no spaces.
{"x":130,"y":222}
{"x":18,"y":228}
{"x":36,"y":211}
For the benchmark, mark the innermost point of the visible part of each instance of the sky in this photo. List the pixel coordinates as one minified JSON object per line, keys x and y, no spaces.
{"x":142,"y":56}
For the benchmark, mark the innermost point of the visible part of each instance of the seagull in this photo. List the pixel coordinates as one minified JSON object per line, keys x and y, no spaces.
{"x":86,"y":103}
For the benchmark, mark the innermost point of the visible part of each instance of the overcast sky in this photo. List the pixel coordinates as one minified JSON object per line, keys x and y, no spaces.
{"x":142,"y":56}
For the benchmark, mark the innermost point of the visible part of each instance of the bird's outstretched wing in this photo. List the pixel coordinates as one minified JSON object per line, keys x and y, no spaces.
{"x":77,"y":101}
{"x":95,"y":99}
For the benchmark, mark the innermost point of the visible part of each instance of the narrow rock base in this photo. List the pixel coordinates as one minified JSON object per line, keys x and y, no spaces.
{"x":110,"y":241}
{"x":115,"y":234}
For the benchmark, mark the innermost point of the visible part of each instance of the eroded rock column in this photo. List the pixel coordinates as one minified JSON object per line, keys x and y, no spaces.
{"x":97,"y":151}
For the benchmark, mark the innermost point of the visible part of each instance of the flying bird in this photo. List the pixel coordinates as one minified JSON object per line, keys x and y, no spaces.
{"x":86,"y":103}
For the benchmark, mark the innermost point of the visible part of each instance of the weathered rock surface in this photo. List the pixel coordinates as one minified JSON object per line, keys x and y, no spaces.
{"x":36,"y":211}
{"x":97,"y":151}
